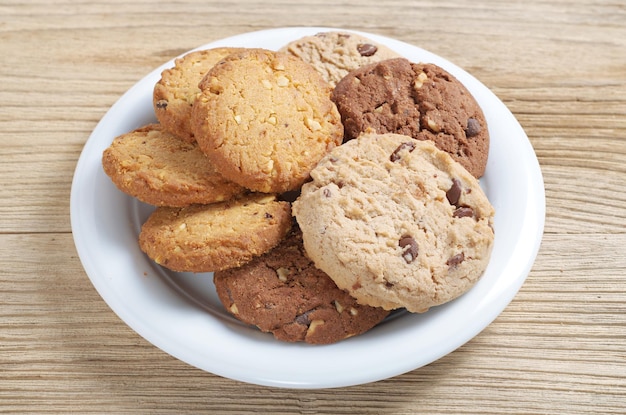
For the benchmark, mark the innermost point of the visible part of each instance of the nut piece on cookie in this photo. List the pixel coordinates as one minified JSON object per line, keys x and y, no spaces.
{"x":265,"y":119}
{"x":334,"y":54}
{"x":422,"y":101}
{"x":160,"y":169}
{"x":206,"y":238}
{"x":396,"y":222}
{"x":283,"y":293}
{"x":175,"y":92}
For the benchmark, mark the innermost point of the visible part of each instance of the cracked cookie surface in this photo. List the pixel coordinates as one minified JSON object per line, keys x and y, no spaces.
{"x":206,"y":238}
{"x":175,"y":92}
{"x":265,"y":119}
{"x":283,"y":293}
{"x":160,"y":169}
{"x":419,"y":100}
{"x":396,"y":222}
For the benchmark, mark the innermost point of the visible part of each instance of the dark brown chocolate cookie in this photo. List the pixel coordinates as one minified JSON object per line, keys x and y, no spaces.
{"x":422,"y":101}
{"x":283,"y":293}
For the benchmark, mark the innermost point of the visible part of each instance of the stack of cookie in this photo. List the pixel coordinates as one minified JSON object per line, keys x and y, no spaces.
{"x":375,"y":157}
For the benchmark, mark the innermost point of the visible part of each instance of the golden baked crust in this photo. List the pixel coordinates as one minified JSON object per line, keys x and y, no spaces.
{"x":159,"y":169}
{"x":265,"y":119}
{"x":206,"y":238}
{"x":175,"y":92}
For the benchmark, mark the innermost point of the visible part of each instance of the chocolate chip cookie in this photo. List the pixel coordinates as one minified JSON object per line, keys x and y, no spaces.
{"x":396,"y":222}
{"x":334,"y":54}
{"x":422,"y":101}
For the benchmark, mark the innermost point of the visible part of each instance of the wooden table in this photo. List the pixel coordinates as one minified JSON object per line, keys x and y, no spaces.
{"x":559,"y":347}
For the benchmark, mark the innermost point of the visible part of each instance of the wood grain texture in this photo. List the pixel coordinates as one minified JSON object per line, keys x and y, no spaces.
{"x":558,"y":348}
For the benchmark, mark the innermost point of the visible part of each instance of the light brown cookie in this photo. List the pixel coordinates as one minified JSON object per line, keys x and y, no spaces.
{"x":205,"y":238}
{"x":396,"y":222}
{"x":160,"y":169}
{"x":175,"y":92}
{"x":334,"y":54}
{"x":419,"y":100}
{"x":265,"y":119}
{"x":283,"y":293}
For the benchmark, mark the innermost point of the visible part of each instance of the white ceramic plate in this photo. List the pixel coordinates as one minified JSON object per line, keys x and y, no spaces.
{"x":181,"y":314}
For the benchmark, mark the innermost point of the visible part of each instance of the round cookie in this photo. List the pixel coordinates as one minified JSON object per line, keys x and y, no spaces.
{"x":419,"y":100}
{"x":283,"y":293}
{"x":396,"y":222}
{"x":160,"y":169}
{"x":175,"y":92}
{"x":205,"y":238}
{"x":265,"y":119}
{"x":334,"y":54}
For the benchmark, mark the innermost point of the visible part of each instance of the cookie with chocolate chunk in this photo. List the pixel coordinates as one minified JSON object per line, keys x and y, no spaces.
{"x":206,"y":238}
{"x":420,"y":100}
{"x":396,"y":222}
{"x":334,"y":54}
{"x":283,"y":293}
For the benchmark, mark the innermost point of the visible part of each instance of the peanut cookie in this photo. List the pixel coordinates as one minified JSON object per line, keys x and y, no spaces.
{"x":205,"y":238}
{"x":265,"y":119}
{"x":396,"y":222}
{"x":175,"y":92}
{"x":160,"y":169}
{"x":419,"y":100}
{"x":283,"y":293}
{"x":334,"y":54}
